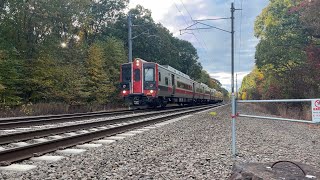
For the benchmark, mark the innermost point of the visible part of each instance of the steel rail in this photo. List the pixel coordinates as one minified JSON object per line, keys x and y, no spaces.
{"x":16,"y":154}
{"x":10,"y":138}
{"x":51,"y":119}
{"x":5,"y":124}
{"x":10,"y":119}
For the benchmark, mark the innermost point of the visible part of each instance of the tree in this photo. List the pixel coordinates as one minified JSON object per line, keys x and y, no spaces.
{"x":11,"y":79}
{"x":97,"y":84}
{"x":282,"y":37}
{"x":252,"y":85}
{"x":310,"y":16}
{"x":115,"y":55}
{"x":103,"y":70}
{"x":287,"y":54}
{"x":36,"y":68}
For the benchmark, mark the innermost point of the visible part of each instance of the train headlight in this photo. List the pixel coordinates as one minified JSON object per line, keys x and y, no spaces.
{"x":124,"y":91}
{"x":151,"y":91}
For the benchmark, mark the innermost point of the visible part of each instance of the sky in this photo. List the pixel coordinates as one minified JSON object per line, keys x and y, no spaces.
{"x":213,"y":46}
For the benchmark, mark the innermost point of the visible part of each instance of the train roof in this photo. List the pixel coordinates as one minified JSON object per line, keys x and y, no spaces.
{"x":176,"y":71}
{"x":169,"y":68}
{"x":141,"y":60}
{"x":204,"y":85}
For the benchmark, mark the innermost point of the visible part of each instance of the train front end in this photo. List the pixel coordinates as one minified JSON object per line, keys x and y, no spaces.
{"x":139,"y":85}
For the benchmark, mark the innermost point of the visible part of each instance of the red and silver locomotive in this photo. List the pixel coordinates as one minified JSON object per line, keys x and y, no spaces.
{"x":147,"y":83}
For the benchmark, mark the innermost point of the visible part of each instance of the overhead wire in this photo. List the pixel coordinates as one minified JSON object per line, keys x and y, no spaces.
{"x":187,"y":23}
{"x":205,"y":50}
{"x":180,"y":12}
{"x":195,"y":25}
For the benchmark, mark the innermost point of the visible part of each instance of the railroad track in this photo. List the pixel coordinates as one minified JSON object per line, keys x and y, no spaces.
{"x":20,"y":122}
{"x":20,"y":136}
{"x":42,"y":120}
{"x":102,"y":129}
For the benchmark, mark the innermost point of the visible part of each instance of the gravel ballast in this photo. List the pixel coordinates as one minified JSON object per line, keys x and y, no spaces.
{"x":198,"y":147}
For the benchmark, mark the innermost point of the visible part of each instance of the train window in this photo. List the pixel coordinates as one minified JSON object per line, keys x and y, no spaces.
{"x":178,"y":84}
{"x":137,"y":74}
{"x":126,"y":73}
{"x":183,"y":86}
{"x":159,"y":76}
{"x":166,"y":81}
{"x":149,"y":74}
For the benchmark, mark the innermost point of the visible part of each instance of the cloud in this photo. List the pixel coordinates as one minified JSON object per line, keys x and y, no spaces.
{"x":214,"y":46}
{"x":158,"y":8}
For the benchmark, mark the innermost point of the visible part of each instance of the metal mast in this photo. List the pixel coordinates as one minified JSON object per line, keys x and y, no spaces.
{"x":129,"y":37}
{"x":233,"y":100}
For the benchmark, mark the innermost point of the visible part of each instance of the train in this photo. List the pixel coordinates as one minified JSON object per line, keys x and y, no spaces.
{"x":150,"y":84}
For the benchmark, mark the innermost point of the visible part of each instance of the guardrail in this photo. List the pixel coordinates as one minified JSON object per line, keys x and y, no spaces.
{"x":315,"y":109}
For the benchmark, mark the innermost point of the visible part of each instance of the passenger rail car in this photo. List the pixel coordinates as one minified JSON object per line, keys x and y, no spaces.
{"x":147,"y":83}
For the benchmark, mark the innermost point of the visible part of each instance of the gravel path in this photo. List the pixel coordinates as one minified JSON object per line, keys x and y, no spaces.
{"x":194,"y":148}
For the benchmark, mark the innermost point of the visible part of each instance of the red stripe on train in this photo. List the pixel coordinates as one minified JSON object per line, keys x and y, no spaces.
{"x":184,"y":91}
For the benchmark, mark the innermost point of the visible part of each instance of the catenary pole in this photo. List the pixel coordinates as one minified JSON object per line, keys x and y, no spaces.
{"x":232,"y":85}
{"x":129,"y":37}
{"x":233,"y":98}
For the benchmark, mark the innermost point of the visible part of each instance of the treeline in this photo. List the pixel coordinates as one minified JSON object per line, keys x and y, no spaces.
{"x":288,"y":54}
{"x":70,"y":51}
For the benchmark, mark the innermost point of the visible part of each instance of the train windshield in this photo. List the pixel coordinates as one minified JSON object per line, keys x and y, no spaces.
{"x":137,"y":74}
{"x":149,"y":74}
{"x":126,"y":73}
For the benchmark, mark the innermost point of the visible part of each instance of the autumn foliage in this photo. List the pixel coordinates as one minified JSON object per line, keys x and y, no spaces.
{"x":288,"y":53}
{"x":69,"y":52}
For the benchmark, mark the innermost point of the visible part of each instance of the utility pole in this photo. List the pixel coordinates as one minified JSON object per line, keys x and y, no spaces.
{"x":233,"y":99}
{"x":129,"y":37}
